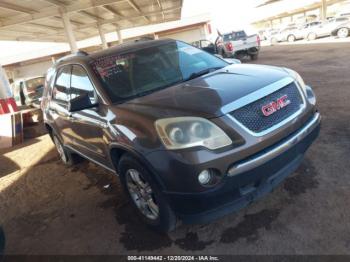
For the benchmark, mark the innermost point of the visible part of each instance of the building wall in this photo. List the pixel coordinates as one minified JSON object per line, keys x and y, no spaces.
{"x":31,"y":70}
{"x":187,"y":35}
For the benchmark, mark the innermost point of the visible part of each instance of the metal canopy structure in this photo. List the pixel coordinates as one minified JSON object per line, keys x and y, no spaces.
{"x":71,"y":20}
{"x":319,"y":4}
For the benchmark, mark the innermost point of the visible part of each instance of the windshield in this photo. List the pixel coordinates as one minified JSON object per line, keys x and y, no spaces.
{"x":138,"y":73}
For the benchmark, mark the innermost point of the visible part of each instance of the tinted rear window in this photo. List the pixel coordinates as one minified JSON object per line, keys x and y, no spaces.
{"x":234,"y":36}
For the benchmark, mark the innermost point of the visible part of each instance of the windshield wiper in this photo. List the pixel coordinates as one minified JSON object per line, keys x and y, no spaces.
{"x":202,"y":72}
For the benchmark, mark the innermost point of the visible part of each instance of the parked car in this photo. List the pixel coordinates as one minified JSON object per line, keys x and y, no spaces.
{"x":291,"y":34}
{"x":324,"y":28}
{"x":190,"y":136}
{"x":342,"y":31}
{"x":238,"y":45}
{"x":28,"y":91}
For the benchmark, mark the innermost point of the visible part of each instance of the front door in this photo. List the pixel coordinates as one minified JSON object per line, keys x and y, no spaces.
{"x":88,"y":125}
{"x":59,"y":105}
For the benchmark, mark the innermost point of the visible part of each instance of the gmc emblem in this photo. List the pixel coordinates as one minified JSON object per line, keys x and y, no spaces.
{"x":274,"y":106}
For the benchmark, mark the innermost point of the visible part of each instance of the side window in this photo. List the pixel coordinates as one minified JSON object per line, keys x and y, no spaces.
{"x":61,"y":88}
{"x":81,"y":84}
{"x":343,"y":19}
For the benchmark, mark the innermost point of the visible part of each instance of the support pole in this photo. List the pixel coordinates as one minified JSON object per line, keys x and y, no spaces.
{"x":69,"y":32}
{"x":102,"y":37}
{"x":120,"y":37}
{"x":324,"y":10}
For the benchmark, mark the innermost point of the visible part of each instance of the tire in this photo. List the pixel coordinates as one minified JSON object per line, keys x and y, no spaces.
{"x":145,"y":195}
{"x":311,"y":36}
{"x":66,"y":157}
{"x":254,"y":57}
{"x":291,"y":38}
{"x":343,"y":32}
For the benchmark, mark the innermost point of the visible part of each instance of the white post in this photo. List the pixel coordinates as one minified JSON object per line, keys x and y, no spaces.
{"x":324,"y":10}
{"x":69,"y":32}
{"x":120,"y":37}
{"x":102,"y":37}
{"x":5,"y":90}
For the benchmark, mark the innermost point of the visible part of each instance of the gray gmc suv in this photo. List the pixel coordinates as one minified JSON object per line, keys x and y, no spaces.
{"x":191,"y":137}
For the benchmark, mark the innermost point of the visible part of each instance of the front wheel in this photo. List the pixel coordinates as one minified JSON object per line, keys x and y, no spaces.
{"x":145,"y":196}
{"x":343,"y":32}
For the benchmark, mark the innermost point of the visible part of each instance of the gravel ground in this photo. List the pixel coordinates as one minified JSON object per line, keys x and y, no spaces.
{"x":46,"y":208}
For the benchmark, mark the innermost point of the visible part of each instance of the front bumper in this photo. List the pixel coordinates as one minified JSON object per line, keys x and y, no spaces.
{"x":247,"y":180}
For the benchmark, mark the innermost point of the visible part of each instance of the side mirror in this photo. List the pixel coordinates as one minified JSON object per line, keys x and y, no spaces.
{"x":80,"y":103}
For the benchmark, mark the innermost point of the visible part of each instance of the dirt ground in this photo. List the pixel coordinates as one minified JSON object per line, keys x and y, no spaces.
{"x":46,"y":208}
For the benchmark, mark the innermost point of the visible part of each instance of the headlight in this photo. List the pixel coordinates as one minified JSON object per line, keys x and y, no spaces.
{"x":186,"y":132}
{"x":297,"y":78}
{"x":306,"y":89}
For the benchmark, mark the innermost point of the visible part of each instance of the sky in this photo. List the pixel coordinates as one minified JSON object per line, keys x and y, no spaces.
{"x":227,"y":15}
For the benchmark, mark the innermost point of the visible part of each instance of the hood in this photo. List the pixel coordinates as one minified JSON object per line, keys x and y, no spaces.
{"x":206,"y":95}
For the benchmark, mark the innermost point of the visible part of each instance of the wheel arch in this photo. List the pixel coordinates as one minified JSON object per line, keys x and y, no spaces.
{"x":116,"y":151}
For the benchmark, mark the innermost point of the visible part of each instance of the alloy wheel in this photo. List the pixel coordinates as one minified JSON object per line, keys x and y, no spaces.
{"x":343,"y":32}
{"x":60,"y":149}
{"x":142,"y":194}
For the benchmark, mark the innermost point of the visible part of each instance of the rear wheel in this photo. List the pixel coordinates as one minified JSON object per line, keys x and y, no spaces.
{"x":66,"y":157}
{"x":311,"y":36}
{"x":291,"y":38}
{"x":145,"y":196}
{"x":343,"y":32}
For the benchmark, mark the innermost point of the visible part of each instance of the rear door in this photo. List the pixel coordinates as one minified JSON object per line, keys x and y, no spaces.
{"x":88,"y":125}
{"x":58,"y":106}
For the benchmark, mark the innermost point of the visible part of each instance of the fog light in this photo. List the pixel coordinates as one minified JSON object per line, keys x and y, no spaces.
{"x":205,"y":177}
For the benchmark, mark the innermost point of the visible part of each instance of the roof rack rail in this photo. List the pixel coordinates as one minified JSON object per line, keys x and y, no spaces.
{"x":78,"y":53}
{"x":144,"y":38}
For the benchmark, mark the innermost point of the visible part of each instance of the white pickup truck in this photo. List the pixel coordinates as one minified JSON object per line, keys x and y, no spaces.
{"x":238,"y":45}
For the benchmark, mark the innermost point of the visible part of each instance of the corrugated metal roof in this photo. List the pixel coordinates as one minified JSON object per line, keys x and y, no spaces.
{"x":40,"y":20}
{"x":313,"y":6}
